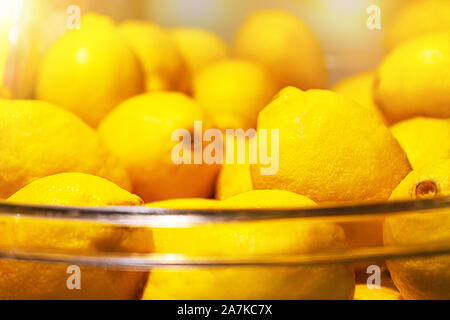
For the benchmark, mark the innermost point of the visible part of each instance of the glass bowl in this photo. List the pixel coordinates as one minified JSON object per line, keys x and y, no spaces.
{"x":113,"y":251}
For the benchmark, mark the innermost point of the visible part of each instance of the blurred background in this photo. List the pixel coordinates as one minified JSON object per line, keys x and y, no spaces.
{"x":340,"y":25}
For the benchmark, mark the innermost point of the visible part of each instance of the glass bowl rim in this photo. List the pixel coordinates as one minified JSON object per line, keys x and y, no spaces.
{"x":148,"y":216}
{"x":155,"y":217}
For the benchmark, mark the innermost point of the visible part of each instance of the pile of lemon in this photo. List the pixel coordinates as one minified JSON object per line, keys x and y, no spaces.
{"x":109,"y":96}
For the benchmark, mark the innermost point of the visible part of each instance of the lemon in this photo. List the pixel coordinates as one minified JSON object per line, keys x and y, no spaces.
{"x":89,"y":71}
{"x":186,"y":204}
{"x":418,"y":18}
{"x":359,"y":88}
{"x":330,"y":149}
{"x":235,"y":177}
{"x":267,"y":199}
{"x":413,"y":79}
{"x":363,"y":292}
{"x":423,"y":139}
{"x":421,"y":278}
{"x":244,"y":240}
{"x":286,"y":46}
{"x":75,"y":189}
{"x":431,"y":180}
{"x":39,"y":139}
{"x":233,"y":91}
{"x":161,"y":61}
{"x":39,"y":280}
{"x":140,"y":131}
{"x":198,"y":48}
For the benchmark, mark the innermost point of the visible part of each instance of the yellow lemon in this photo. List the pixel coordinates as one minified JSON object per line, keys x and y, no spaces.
{"x":431,"y":180}
{"x":413,"y":79}
{"x":286,"y":46}
{"x":363,"y":292}
{"x":330,"y":149}
{"x":185,"y":204}
{"x":162,"y":63}
{"x":423,"y":139}
{"x":233,"y":91}
{"x":235,"y":177}
{"x":198,"y":48}
{"x":39,"y":139}
{"x":421,"y":278}
{"x":140,"y":133}
{"x":250,"y":239}
{"x":267,"y":199}
{"x":39,"y":280}
{"x":418,"y":18}
{"x":359,"y":88}
{"x":75,"y":189}
{"x":89,"y":71}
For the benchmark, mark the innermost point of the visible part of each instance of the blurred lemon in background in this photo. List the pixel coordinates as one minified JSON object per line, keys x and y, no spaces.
{"x":36,"y":280}
{"x":423,"y":139}
{"x":252,"y":239}
{"x":417,"y":18}
{"x":39,"y":139}
{"x":286,"y":46}
{"x":330,"y":148}
{"x":413,"y":79}
{"x":233,"y":91}
{"x":199,"y":48}
{"x":140,"y":133}
{"x":162,"y":63}
{"x":90,"y":70}
{"x":360,"y":88}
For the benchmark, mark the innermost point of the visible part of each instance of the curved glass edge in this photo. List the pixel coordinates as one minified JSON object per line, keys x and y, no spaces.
{"x":146,"y":262}
{"x":146,"y":216}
